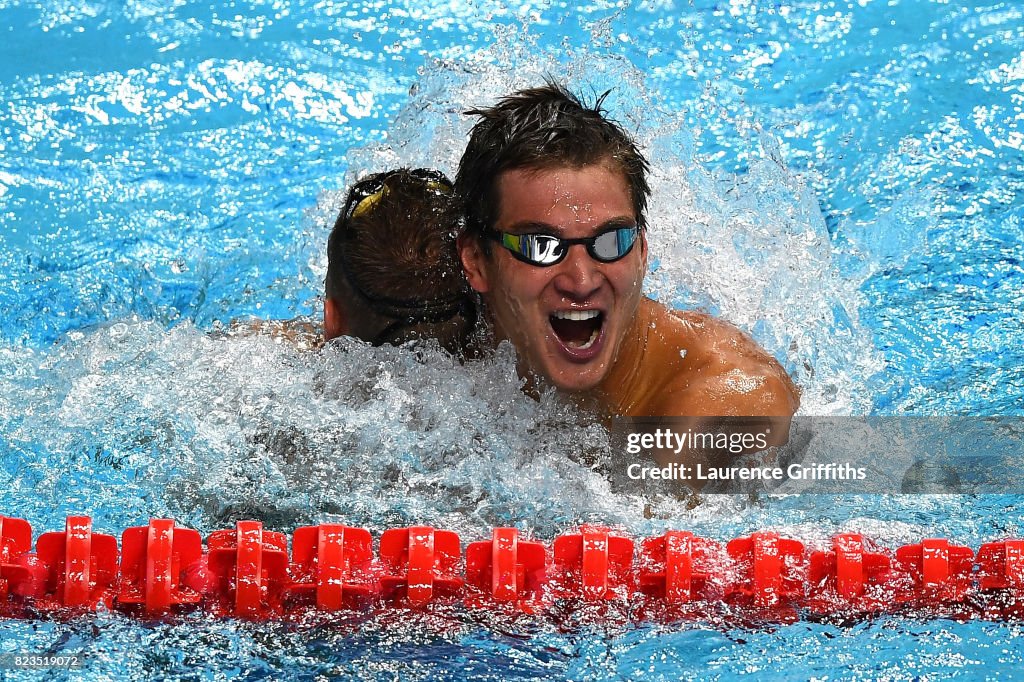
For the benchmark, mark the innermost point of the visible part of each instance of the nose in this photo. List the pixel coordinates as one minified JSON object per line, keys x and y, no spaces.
{"x":578,"y":275}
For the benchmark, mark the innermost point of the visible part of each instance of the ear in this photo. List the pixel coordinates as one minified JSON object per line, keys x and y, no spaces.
{"x":335,"y":319}
{"x":474,"y":262}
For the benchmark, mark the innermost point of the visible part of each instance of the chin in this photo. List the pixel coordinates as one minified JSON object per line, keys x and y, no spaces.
{"x":570,"y":380}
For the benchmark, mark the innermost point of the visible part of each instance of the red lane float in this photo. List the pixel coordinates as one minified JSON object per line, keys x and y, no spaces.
{"x":420,"y":565}
{"x":594,"y":565}
{"x":771,"y":570}
{"x":1001,"y":565}
{"x":15,"y":541}
{"x":247,"y":572}
{"x":679,"y":567}
{"x":81,"y":567}
{"x":507,"y":569}
{"x":1001,"y":578}
{"x":853,"y":576}
{"x":939,"y":572}
{"x":331,"y":568}
{"x":161,"y":568}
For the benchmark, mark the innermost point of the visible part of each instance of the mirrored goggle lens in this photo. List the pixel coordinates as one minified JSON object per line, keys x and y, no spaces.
{"x":540,"y":249}
{"x":613,"y":244}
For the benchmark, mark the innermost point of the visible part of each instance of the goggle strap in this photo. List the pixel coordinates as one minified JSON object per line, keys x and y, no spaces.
{"x":464,"y":306}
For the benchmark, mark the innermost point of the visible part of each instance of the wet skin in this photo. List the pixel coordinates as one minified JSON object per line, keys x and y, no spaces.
{"x":536,"y":307}
{"x":685,"y":363}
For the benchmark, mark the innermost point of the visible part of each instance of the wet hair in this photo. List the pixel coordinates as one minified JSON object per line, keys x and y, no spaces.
{"x":539,"y":129}
{"x":391,"y":259}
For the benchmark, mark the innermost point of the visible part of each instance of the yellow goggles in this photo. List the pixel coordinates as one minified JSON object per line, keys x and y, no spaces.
{"x":367,"y":194}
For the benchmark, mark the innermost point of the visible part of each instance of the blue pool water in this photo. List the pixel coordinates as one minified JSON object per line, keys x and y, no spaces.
{"x":840,"y":178}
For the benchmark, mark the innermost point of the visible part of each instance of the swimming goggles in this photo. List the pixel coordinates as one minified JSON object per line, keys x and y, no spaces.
{"x":544,"y":250}
{"x":365,"y":195}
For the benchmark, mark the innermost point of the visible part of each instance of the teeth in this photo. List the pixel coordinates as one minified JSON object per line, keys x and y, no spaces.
{"x":589,"y":343}
{"x":576,"y":315}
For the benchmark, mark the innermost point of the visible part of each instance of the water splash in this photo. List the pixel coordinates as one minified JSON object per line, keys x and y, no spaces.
{"x":751,"y":246}
{"x":133,"y":421}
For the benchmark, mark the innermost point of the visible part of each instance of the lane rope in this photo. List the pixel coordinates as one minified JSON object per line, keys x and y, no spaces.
{"x":249,"y":572}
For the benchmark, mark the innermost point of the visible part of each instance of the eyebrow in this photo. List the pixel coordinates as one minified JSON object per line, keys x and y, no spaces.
{"x":535,"y":227}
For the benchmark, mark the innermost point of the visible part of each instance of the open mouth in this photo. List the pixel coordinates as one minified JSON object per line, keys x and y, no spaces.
{"x":577,"y":329}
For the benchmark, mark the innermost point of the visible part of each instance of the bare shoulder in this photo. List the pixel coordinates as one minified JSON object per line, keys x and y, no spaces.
{"x":300,"y":332}
{"x":726,"y":373}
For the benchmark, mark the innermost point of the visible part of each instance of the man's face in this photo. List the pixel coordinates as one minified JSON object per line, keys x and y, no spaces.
{"x":566,"y":321}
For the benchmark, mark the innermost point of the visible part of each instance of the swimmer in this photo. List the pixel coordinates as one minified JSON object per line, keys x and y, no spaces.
{"x":554,"y":197}
{"x":392,"y":271}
